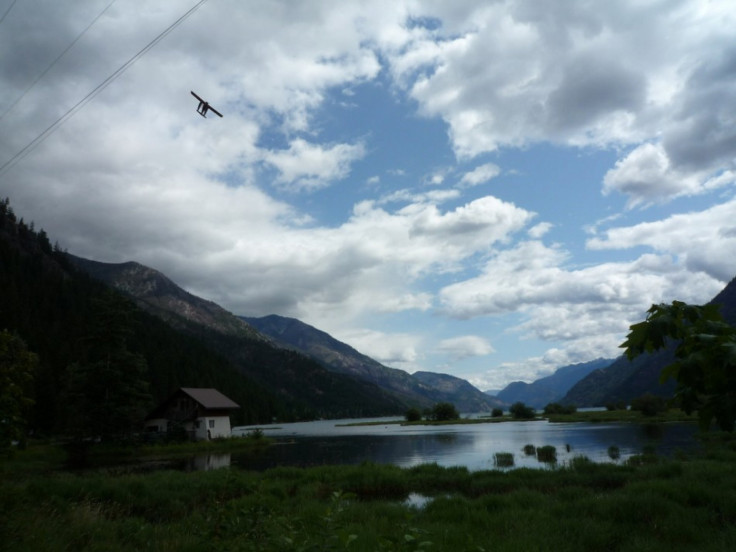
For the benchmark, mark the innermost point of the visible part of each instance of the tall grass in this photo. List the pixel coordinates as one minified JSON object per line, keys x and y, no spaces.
{"x":664,"y":505}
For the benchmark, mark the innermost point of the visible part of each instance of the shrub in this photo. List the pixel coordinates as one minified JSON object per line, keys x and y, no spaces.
{"x":444,"y":411}
{"x":557,"y":408}
{"x":503,"y":459}
{"x":530,"y":450}
{"x":520,"y":411}
{"x":649,"y":405}
{"x":547,"y":453}
{"x":413,"y":415}
{"x":614,"y":453}
{"x":496,"y":413}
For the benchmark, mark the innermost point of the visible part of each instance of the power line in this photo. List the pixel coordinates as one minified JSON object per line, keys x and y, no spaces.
{"x":100,"y":87}
{"x":55,"y":61}
{"x":10,"y":7}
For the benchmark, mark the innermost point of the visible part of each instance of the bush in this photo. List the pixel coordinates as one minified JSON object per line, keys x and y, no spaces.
{"x":557,"y":408}
{"x":496,"y":413}
{"x":413,"y":415}
{"x":520,"y":411}
{"x":503,"y":459}
{"x":649,"y":405}
{"x":444,"y":411}
{"x":547,"y":453}
{"x":530,"y":450}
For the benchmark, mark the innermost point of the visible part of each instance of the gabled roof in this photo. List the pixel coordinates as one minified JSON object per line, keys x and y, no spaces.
{"x":210,"y":398}
{"x":207,"y":398}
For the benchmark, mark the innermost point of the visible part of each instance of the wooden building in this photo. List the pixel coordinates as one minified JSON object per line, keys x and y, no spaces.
{"x":202,"y":413}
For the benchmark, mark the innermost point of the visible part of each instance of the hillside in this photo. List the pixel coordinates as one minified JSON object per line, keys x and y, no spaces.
{"x":307,"y":387}
{"x":552,"y":388}
{"x":49,"y":302}
{"x":421,"y":389}
{"x":158,"y":295}
{"x":624,"y":380}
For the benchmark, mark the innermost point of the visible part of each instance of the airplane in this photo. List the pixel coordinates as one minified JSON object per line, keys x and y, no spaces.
{"x":204,"y":107}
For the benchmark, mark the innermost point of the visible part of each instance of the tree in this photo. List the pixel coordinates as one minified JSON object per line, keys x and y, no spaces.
{"x":520,"y":411}
{"x":413,"y":415}
{"x":444,"y":411}
{"x":705,"y":369}
{"x":557,"y":408}
{"x":17,"y":367}
{"x":107,"y":391}
{"x":648,"y":404}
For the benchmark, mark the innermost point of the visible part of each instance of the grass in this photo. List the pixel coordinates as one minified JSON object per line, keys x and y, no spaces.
{"x":657,"y":504}
{"x":601,"y":416}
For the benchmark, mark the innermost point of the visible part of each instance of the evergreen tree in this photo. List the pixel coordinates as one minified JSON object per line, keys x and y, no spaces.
{"x":17,"y":366}
{"x":107,"y":391}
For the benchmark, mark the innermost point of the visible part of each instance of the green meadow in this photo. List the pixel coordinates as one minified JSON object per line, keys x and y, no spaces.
{"x":646,"y":503}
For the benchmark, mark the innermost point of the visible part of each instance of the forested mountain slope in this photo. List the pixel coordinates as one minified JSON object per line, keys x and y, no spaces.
{"x":423,"y":388}
{"x":552,"y":388}
{"x":624,"y":379}
{"x":49,"y":302}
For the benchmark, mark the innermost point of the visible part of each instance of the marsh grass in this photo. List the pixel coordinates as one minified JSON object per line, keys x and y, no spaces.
{"x":547,"y":454}
{"x":666,"y":505}
{"x":622,"y":415}
{"x":503,"y":459}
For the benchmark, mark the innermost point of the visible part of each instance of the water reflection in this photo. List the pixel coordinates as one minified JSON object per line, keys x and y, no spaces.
{"x":207,"y":462}
{"x":472,"y":446}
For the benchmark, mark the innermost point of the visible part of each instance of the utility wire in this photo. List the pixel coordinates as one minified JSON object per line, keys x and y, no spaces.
{"x":100,"y":87}
{"x":10,"y":7}
{"x":55,"y":61}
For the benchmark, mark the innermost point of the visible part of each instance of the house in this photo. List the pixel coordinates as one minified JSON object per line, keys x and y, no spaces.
{"x":202,"y":413}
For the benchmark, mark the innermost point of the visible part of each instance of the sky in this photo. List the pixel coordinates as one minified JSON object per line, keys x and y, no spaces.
{"x":488,"y":189}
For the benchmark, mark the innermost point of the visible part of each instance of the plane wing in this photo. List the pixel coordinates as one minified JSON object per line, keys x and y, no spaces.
{"x":209,"y":107}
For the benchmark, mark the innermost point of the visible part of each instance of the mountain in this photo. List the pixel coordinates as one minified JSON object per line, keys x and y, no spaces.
{"x":296,"y":379}
{"x":50,"y":304}
{"x":422,"y":389}
{"x":465,"y":397}
{"x":552,"y":388}
{"x":157,"y":294}
{"x":624,"y":379}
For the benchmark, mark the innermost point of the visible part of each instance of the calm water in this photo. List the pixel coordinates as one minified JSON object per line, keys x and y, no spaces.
{"x":472,"y":446}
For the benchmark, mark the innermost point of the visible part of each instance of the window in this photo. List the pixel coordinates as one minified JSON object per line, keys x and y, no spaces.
{"x":212,"y":424}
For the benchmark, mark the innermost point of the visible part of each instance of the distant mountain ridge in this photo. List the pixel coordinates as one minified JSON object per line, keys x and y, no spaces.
{"x":160,"y":296}
{"x":305,"y":385}
{"x":551,"y":388}
{"x":423,"y":388}
{"x":624,"y":380}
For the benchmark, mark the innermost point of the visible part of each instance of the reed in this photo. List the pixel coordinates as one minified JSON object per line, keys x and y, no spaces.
{"x":662,"y":505}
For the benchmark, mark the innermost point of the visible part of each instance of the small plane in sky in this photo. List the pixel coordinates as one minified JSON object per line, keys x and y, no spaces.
{"x":204,"y":107}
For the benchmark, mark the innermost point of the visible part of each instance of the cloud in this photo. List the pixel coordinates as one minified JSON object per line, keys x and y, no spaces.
{"x":647,"y":175}
{"x":138,"y":175}
{"x":307,"y":167}
{"x":480,"y":175}
{"x":459,"y":348}
{"x":399,"y":350}
{"x":514,"y":74}
{"x":698,"y":239}
{"x":588,"y":310}
{"x":539,"y":230}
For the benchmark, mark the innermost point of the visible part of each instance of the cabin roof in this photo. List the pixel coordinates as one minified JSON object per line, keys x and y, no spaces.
{"x":207,"y":398}
{"x":210,"y":398}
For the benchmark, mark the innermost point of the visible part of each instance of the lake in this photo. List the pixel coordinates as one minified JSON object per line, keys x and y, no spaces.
{"x":471,"y":445}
